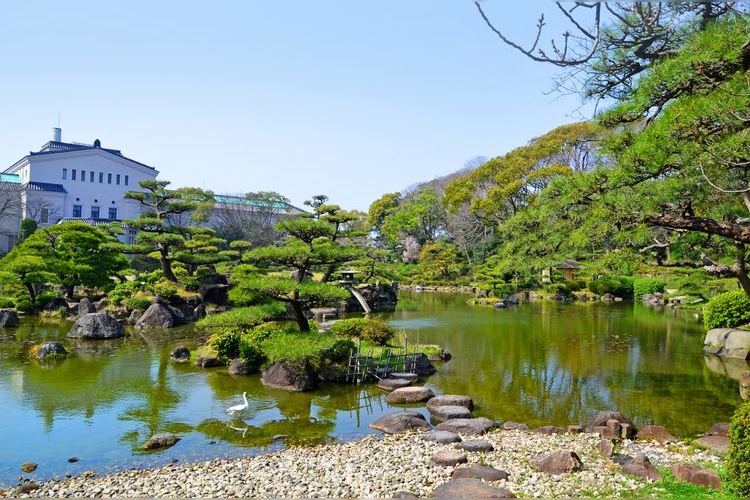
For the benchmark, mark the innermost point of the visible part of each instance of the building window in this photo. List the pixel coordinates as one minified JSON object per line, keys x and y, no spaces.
{"x":131,"y":237}
{"x":73,"y":174}
{"x":126,"y":180}
{"x":44,"y":216}
{"x":117,"y":179}
{"x":112,"y":213}
{"x":65,"y":173}
{"x":83,"y":176}
{"x":77,"y":209}
{"x":109,"y":178}
{"x":94,"y":212}
{"x":91,"y":176}
{"x":101,"y":177}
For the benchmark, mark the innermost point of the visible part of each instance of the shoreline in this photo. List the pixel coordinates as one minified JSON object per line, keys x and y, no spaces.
{"x":383,"y":466}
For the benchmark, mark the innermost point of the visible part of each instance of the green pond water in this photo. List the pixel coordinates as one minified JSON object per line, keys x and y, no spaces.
{"x":541,"y":363}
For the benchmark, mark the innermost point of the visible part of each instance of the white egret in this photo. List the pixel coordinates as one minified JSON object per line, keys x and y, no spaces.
{"x":232,"y":410}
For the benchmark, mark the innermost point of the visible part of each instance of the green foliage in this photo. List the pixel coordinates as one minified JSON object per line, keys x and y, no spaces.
{"x":645,"y":286}
{"x":349,"y":327}
{"x":339,"y":351}
{"x":7,"y":303}
{"x":137,"y":303}
{"x":377,"y":331}
{"x":297,"y":346}
{"x":165,"y":290}
{"x":251,"y":354}
{"x":619,"y":286}
{"x":243,"y":317}
{"x":191,"y":285}
{"x":25,"y":306}
{"x":727,"y":310}
{"x":669,"y":487}
{"x":738,"y":457}
{"x":226,"y":342}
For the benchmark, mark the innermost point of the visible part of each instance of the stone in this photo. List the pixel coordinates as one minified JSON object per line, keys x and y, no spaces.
{"x":239,"y":367}
{"x":161,"y":440}
{"x":409,"y":395}
{"x":215,"y":294}
{"x":451,"y":400}
{"x":443,"y":413}
{"x":558,"y":462}
{"x":27,"y":486}
{"x":443,"y":437}
{"x":515,"y":426}
{"x":100,"y":326}
{"x":412,"y":377}
{"x":720,"y":429}
{"x":448,"y":458}
{"x":423,"y":367}
{"x":727,"y":342}
{"x":654,"y":433}
{"x":483,"y":472}
{"x":180,"y":354}
{"x":58,"y":303}
{"x":405,"y":494}
{"x":575,"y":429}
{"x":468,"y":426}
{"x":134,"y":316}
{"x":9,"y":318}
{"x":28,"y":467}
{"x":470,"y":488}
{"x":50,"y":350}
{"x":475,"y":445}
{"x":638,"y":465}
{"x":160,"y":315}
{"x":550,"y":429}
{"x":694,"y":474}
{"x":85,"y":307}
{"x":290,"y":376}
{"x":391,"y":384}
{"x":401,"y":421}
{"x":600,"y":420}
{"x":607,"y":447}
{"x":208,"y":362}
{"x":716,"y":443}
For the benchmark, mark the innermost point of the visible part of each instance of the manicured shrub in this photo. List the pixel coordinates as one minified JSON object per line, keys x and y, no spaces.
{"x":251,"y":354}
{"x":619,"y":286}
{"x":339,"y":351}
{"x":645,"y":286}
{"x":192,"y":285}
{"x":226,"y":343}
{"x":246,"y":317}
{"x":377,"y":331}
{"x":350,"y":327}
{"x":727,"y":310}
{"x":738,"y":457}
{"x":165,"y":290}
{"x":137,"y":303}
{"x":6,"y":303}
{"x":25,"y":306}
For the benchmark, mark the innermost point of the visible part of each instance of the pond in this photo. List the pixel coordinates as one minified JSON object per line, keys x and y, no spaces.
{"x":542,"y":363}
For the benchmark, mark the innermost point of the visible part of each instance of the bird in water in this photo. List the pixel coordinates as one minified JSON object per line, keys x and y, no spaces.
{"x":232,"y":410}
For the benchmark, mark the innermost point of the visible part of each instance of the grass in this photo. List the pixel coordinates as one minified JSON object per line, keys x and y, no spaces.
{"x":669,"y":487}
{"x":242,"y":316}
{"x":297,"y":346}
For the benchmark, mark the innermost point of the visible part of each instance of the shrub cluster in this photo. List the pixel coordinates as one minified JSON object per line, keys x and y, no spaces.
{"x":350,"y":327}
{"x":727,"y":310}
{"x":738,"y":457}
{"x":137,"y":303}
{"x":372,"y":330}
{"x":619,"y":286}
{"x":645,"y":286}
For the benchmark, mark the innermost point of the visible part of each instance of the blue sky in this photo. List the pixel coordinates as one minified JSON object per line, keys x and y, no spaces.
{"x":351,"y":99}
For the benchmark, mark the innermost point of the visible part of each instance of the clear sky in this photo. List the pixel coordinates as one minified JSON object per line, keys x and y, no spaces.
{"x":351,"y":99}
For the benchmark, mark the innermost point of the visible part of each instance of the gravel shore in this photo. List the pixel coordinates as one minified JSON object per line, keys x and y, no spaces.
{"x":381,"y":467}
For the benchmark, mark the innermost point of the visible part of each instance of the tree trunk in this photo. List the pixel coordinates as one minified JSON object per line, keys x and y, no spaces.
{"x":166,"y":266}
{"x":32,"y":291}
{"x":299,"y":316}
{"x":69,"y":290}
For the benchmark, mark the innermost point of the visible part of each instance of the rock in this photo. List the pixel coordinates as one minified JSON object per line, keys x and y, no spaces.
{"x":102,"y":304}
{"x":412,"y":377}
{"x":239,"y":367}
{"x":405,"y":494}
{"x":57,"y":304}
{"x":324,"y":313}
{"x":443,"y":437}
{"x":480,"y":472}
{"x":199,"y":312}
{"x":654,"y":433}
{"x":400,"y":422}
{"x":607,"y":447}
{"x":409,"y":395}
{"x":26,"y":487}
{"x":160,"y":315}
{"x":720,"y":429}
{"x":423,"y":366}
{"x":9,"y":318}
{"x":638,"y":465}
{"x":475,"y":445}
{"x":28,"y":467}
{"x":85,"y":307}
{"x":290,"y":376}
{"x":470,"y":488}
{"x":600,"y":420}
{"x":73,"y":460}
{"x":215,"y":294}
{"x":100,"y":326}
{"x":161,"y":440}
{"x":558,"y":462}
{"x":727,"y":342}
{"x":180,"y":354}
{"x":448,"y":412}
{"x":448,"y":458}
{"x":575,"y":429}
{"x":468,"y":426}
{"x":512,"y":426}
{"x":451,"y":400}
{"x":208,"y":362}
{"x":696,"y":475}
{"x":134,"y":316}
{"x":52,"y":350}
{"x":716,"y":443}
{"x":653,"y":299}
{"x":550,"y":429}
{"x":391,"y":384}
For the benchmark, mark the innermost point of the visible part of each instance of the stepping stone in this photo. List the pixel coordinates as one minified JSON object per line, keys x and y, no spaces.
{"x":410,"y":395}
{"x":638,"y":465}
{"x":479,"y":472}
{"x":470,"y":488}
{"x":400,"y":422}
{"x":715,"y":443}
{"x":550,"y":429}
{"x":404,"y":375}
{"x":443,"y":437}
{"x":448,"y":412}
{"x":513,"y":426}
{"x":391,"y":384}
{"x":451,"y":400}
{"x":448,"y":458}
{"x":696,"y":475}
{"x":479,"y":425}
{"x":558,"y":462}
{"x":654,"y":433}
{"x":475,"y":445}
{"x":720,"y":429}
